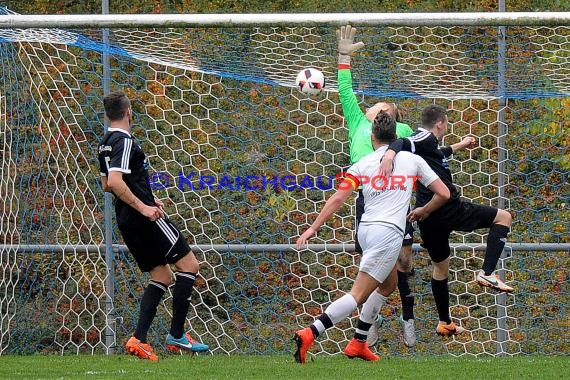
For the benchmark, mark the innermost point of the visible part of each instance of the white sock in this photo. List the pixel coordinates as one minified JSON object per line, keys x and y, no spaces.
{"x":372,"y":307}
{"x":341,"y":308}
{"x":319,"y":326}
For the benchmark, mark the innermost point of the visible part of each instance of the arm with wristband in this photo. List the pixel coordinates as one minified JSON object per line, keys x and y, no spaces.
{"x":356,"y":121}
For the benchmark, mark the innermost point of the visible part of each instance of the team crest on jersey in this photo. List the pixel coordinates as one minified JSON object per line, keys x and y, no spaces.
{"x":445,"y":163}
{"x":146,"y":163}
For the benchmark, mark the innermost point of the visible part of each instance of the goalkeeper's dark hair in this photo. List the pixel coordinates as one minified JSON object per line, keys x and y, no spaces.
{"x":432,"y":114}
{"x":384,"y":127}
{"x":116,"y":104}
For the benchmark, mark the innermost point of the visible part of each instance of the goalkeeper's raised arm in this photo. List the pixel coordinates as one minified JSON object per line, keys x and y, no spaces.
{"x":355,"y":119}
{"x":359,"y":124}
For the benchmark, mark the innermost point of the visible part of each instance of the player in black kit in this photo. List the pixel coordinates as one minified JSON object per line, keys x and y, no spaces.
{"x":150,"y":236}
{"x":455,"y":215}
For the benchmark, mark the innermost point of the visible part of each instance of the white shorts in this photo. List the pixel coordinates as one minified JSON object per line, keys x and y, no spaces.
{"x":381,"y":247}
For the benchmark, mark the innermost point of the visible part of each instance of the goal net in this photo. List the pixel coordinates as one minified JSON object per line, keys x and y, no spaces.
{"x":216,"y":108}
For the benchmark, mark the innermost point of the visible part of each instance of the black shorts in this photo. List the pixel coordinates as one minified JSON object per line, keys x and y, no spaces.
{"x":466,"y":217}
{"x":408,"y":233}
{"x":152,"y":243}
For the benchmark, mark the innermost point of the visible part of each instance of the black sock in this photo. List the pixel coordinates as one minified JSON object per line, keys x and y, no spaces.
{"x":149,"y":302}
{"x":181,"y":302}
{"x":361,"y":326}
{"x":495,"y":244}
{"x":325,"y":320}
{"x":440,"y":290}
{"x":406,"y":295}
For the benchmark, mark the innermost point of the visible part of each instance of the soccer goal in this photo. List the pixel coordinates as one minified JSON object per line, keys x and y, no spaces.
{"x":215,"y":103}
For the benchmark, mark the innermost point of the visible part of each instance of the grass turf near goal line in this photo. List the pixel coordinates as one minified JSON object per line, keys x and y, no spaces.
{"x":280,"y":367}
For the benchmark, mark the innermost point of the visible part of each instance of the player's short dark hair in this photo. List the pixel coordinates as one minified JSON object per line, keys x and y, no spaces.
{"x":432,"y":114}
{"x":116,"y":104}
{"x":384,"y":127}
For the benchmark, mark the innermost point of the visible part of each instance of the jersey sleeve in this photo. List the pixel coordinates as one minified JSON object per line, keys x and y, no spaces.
{"x":425,"y":173}
{"x":120,"y":156}
{"x":354,"y":170}
{"x":446,"y":150}
{"x":401,"y":144}
{"x":421,"y":142}
{"x":101,"y":161}
{"x":102,"y":165}
{"x":353,"y":115}
{"x":352,"y":177}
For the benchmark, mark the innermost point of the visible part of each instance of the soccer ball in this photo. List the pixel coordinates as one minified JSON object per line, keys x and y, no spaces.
{"x":310,"y":81}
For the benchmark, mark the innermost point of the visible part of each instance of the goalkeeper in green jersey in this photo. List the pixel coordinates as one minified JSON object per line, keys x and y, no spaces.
{"x":359,"y":131}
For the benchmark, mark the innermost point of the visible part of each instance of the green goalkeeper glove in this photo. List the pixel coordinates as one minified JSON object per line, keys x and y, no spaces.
{"x":346,"y":45}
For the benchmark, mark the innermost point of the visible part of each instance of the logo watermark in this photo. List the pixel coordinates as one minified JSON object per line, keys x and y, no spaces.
{"x":345,"y":181}
{"x":378,"y":182}
{"x":194,"y":181}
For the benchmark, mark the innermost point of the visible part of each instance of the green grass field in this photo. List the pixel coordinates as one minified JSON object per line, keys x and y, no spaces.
{"x":281,"y":367}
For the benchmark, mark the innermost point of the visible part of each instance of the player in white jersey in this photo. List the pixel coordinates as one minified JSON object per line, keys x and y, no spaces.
{"x":380,"y":234}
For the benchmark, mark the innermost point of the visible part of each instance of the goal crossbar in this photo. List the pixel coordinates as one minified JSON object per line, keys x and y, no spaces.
{"x":277,"y":19}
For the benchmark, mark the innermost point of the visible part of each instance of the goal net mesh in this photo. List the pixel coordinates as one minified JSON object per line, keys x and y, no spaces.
{"x":244,"y":158}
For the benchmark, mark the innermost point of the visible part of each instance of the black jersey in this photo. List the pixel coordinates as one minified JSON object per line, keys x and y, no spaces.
{"x":119,"y":151}
{"x":424,"y":143}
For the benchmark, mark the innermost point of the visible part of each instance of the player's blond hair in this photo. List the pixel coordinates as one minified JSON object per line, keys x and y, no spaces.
{"x":391,"y":109}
